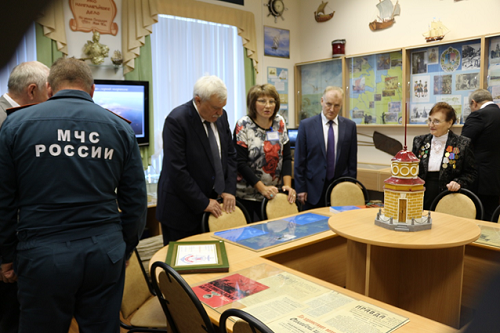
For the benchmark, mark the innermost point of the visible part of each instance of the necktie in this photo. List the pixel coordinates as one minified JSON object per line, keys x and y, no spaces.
{"x":330,"y":153}
{"x":219,"y":176}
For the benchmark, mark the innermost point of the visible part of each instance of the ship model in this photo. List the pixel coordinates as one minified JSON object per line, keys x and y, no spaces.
{"x":320,"y":15}
{"x":436,"y":31}
{"x":387,"y":12}
{"x":276,"y":42}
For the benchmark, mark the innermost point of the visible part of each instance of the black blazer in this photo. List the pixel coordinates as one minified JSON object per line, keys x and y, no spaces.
{"x":483,"y":128}
{"x":310,"y":156}
{"x":460,"y":168}
{"x":188,"y":174}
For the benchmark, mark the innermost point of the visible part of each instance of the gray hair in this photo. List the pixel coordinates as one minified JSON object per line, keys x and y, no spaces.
{"x":480,"y":95}
{"x":338,"y":89}
{"x":70,"y":72}
{"x":207,"y":86}
{"x":27,"y":73}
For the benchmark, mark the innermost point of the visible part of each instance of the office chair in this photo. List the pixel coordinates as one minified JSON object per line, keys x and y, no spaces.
{"x":496,"y":215}
{"x":146,"y":248}
{"x":249,"y":324}
{"x":278,"y":207}
{"x":239,"y":217}
{"x":182,"y":307}
{"x":462,"y":203}
{"x":346,"y":191}
{"x":140,"y":308}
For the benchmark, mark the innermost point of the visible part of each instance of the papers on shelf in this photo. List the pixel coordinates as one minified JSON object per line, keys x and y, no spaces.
{"x":264,"y":235}
{"x":227,"y":290}
{"x":489,"y":236}
{"x":340,"y":209}
{"x":288,"y":303}
{"x":355,"y":316}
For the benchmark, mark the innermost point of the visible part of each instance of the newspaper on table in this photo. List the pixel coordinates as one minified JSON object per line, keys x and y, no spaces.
{"x":290,"y":304}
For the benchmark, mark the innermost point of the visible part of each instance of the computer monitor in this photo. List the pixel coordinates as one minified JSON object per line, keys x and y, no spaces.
{"x":292,"y":135}
{"x":129,"y":99}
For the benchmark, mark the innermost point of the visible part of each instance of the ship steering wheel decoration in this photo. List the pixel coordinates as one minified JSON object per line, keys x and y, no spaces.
{"x":276,"y":9}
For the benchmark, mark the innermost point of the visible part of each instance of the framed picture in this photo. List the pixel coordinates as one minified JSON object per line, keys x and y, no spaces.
{"x":311,"y":79}
{"x":276,"y":42}
{"x":197,"y":257}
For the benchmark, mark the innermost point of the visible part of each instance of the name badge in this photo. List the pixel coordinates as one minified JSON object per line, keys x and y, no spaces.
{"x":272,"y":136}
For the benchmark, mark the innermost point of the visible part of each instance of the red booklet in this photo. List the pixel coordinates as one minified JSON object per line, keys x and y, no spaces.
{"x":227,"y":290}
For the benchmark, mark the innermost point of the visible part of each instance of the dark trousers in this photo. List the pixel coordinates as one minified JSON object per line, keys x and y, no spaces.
{"x":490,"y":203}
{"x":322,"y":200}
{"x":9,"y":308}
{"x":172,"y":235}
{"x":254,"y":209}
{"x":82,"y":278}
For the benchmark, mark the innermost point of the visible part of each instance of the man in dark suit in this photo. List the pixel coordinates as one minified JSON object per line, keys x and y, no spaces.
{"x":199,"y":162}
{"x":483,"y":128}
{"x":313,"y":171}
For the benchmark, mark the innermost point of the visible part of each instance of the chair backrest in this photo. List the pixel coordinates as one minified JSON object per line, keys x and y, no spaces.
{"x":249,"y":324}
{"x":239,"y":217}
{"x":496,"y":215}
{"x":278,"y":206}
{"x":463,"y":203}
{"x":183,"y":309}
{"x":136,"y":290}
{"x":346,"y":191}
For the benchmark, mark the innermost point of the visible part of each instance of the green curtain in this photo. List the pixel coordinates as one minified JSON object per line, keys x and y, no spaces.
{"x":143,"y":71}
{"x":249,"y":71}
{"x":46,"y":48}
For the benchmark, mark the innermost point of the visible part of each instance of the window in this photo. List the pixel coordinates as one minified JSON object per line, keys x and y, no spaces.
{"x":26,"y":51}
{"x":183,"y":50}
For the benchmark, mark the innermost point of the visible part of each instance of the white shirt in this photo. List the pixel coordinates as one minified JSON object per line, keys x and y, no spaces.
{"x":326,"y":127}
{"x":486,"y":103}
{"x":10,"y":100}
{"x":214,"y":128}
{"x":438,"y":145}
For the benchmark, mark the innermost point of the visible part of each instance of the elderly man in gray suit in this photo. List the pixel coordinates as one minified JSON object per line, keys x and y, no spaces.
{"x":27,"y":85}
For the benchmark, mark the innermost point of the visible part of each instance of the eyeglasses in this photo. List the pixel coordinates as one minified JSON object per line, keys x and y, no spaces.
{"x":433,"y":121}
{"x":264,"y":101}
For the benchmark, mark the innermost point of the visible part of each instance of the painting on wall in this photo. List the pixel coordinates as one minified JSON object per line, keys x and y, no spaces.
{"x":276,"y":42}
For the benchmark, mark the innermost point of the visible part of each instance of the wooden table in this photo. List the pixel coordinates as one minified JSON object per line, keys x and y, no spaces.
{"x":418,"y":271}
{"x":320,"y":258}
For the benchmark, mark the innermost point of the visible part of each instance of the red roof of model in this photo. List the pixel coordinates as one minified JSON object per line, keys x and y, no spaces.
{"x":405,"y":156}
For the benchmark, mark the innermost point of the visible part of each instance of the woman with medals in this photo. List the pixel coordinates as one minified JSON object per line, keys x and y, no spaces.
{"x":446,"y":159}
{"x":263,"y":148}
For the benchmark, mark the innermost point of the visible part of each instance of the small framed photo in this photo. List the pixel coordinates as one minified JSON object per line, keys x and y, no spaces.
{"x":276,"y":42}
{"x":197,"y":256}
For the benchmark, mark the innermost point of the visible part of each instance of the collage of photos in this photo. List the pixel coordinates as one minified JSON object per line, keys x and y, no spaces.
{"x":494,"y":69}
{"x":445,"y":73}
{"x":375,"y":88}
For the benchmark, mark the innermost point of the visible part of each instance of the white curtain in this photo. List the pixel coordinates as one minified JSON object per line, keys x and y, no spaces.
{"x":183,"y":50}
{"x":26,"y":51}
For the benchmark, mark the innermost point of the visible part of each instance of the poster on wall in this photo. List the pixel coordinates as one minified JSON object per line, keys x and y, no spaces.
{"x":278,"y":77}
{"x":375,"y":87}
{"x":97,"y":15}
{"x":445,"y":73}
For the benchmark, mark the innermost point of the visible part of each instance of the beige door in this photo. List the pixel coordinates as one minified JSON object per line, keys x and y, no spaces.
{"x":402,"y":210}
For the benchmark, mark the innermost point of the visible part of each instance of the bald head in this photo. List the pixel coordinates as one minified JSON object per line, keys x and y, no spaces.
{"x":27,"y":83}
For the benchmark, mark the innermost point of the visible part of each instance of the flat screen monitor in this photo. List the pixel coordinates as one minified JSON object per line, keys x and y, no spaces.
{"x":292,"y":135}
{"x":129,"y":99}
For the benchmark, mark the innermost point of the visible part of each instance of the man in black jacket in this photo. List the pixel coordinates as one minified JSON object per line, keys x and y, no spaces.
{"x":483,"y":128}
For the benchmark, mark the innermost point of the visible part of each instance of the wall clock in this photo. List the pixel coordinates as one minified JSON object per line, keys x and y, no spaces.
{"x":276,"y":9}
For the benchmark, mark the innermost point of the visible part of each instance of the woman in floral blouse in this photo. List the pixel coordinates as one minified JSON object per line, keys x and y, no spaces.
{"x":263,"y":147}
{"x":446,"y":159}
